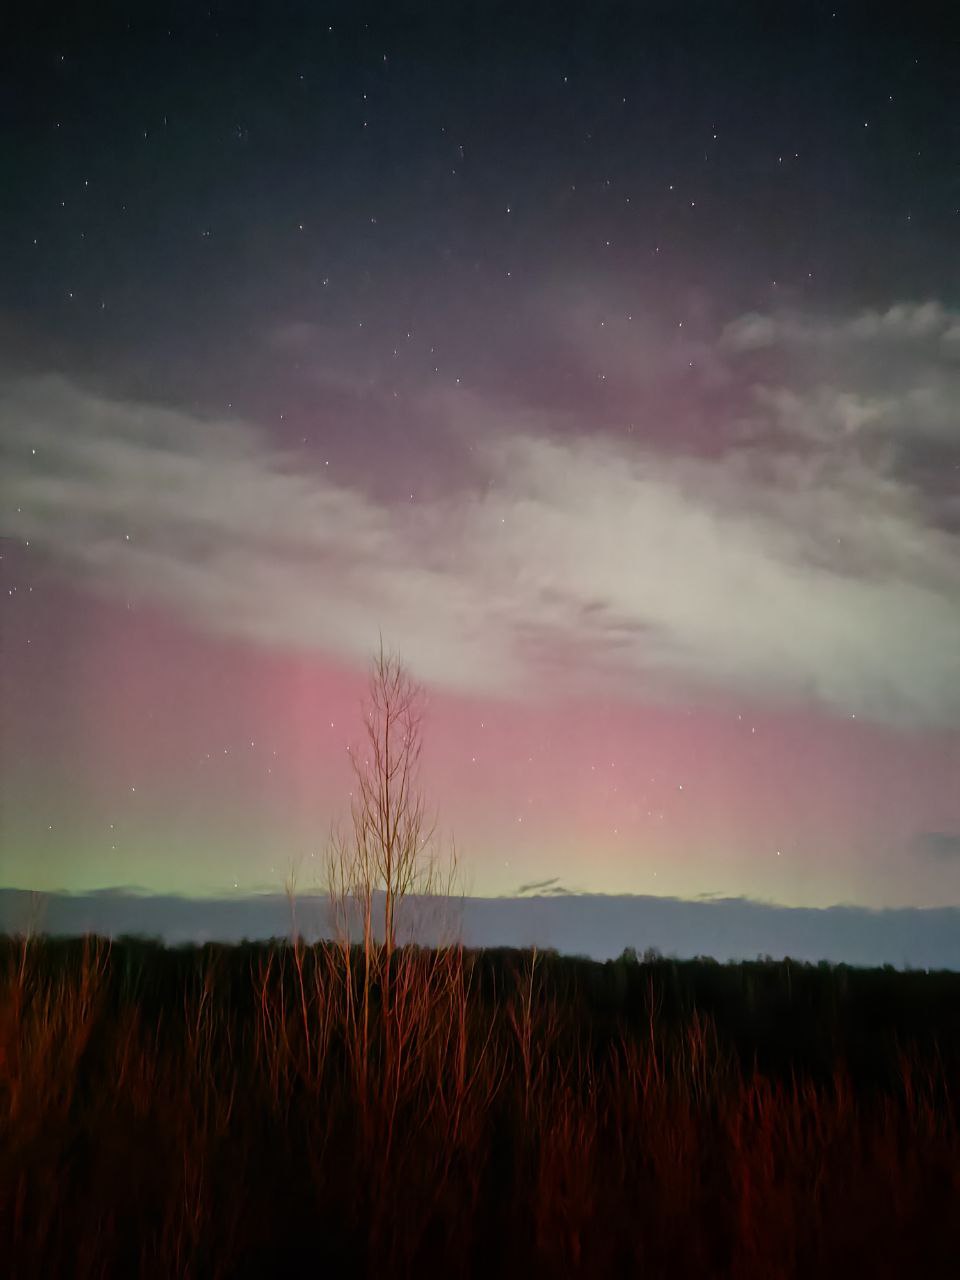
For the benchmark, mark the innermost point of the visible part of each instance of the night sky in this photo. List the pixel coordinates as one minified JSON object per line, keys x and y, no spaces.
{"x":605,"y":360}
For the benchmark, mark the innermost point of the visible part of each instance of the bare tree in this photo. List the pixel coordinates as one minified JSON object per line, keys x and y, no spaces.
{"x":389,"y":854}
{"x":391,"y":840}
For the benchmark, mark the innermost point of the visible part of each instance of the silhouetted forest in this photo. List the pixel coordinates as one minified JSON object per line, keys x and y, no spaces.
{"x":232,"y":1111}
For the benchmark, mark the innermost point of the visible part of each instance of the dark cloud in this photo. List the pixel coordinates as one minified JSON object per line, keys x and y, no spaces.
{"x":544,"y":888}
{"x":537,"y":886}
{"x":577,"y":924}
{"x":940,"y":844}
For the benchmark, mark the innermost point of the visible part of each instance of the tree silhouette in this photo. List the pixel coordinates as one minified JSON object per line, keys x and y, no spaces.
{"x":389,"y":848}
{"x":388,"y":854}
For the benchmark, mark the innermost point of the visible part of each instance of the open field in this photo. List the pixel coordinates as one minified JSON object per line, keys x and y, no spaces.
{"x":225,"y":1111}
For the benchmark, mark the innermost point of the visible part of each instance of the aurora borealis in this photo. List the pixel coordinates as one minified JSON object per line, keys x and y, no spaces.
{"x":608,"y":365}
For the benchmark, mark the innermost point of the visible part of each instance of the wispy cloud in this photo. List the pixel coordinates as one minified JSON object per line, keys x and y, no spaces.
{"x":550,"y":888}
{"x":205,"y":517}
{"x":818,"y":574}
{"x":908,"y":322}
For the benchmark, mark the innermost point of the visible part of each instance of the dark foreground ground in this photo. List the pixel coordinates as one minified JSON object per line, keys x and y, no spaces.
{"x":244,"y":1111}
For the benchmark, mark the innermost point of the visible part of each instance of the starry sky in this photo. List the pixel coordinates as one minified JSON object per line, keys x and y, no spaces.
{"x":605,"y":359}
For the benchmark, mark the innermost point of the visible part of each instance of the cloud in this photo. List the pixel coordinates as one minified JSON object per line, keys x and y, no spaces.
{"x":759,"y":574}
{"x":940,"y":844}
{"x":536,"y":886}
{"x":829,"y":413}
{"x":814,"y":576}
{"x":880,"y":389}
{"x":204,"y":517}
{"x":901,"y":322}
{"x":544,"y":888}
{"x":753,"y":332}
{"x":577,"y":924}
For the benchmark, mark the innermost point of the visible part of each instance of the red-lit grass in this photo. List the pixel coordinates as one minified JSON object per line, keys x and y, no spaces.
{"x":231,"y":1112}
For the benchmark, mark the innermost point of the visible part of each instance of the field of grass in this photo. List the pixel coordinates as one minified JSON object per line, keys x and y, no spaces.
{"x":241,"y":1111}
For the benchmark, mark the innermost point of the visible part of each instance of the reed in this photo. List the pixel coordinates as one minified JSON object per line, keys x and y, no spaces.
{"x":221,"y":1111}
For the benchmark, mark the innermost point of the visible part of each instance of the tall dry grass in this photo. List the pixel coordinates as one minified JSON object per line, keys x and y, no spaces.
{"x":224,"y":1113}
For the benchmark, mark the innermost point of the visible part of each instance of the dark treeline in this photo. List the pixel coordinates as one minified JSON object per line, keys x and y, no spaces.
{"x":223,"y":1110}
{"x":781,"y":1015}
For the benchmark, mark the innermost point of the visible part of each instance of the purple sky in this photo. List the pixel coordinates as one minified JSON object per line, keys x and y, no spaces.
{"x":608,"y":367}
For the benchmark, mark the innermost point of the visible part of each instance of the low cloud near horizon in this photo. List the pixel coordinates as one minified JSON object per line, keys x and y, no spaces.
{"x":593,"y":925}
{"x":812,"y":556}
